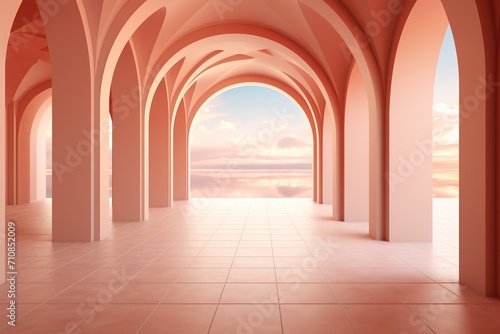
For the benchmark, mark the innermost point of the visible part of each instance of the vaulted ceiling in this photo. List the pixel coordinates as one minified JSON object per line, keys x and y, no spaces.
{"x":297,"y":46}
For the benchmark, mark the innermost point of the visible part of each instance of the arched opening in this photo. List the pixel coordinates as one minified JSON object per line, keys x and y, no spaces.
{"x":41,"y":157}
{"x":475,"y":39}
{"x":446,"y":121}
{"x":410,"y":122}
{"x":446,"y":152}
{"x":251,"y":142}
{"x":30,"y":183}
{"x":424,"y":139}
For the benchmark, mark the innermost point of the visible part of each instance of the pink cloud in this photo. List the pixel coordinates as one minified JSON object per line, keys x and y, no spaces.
{"x":446,"y":170}
{"x":292,"y":142}
{"x":226,"y":126}
{"x":213,"y":154}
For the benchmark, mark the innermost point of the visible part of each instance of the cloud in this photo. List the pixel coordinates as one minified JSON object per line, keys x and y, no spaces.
{"x":226,"y":126}
{"x":205,"y":115}
{"x":202,"y":128}
{"x":210,"y":154}
{"x":292,"y":142}
{"x":446,"y":124}
{"x":445,"y":109}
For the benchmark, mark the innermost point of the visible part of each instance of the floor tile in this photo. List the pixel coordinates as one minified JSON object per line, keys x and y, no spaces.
{"x":159,"y":275}
{"x":302,"y":274}
{"x":253,"y":318}
{"x":171,"y":262}
{"x":251,"y":275}
{"x":468,"y":294}
{"x":96,"y":293}
{"x":66,"y":275}
{"x":395,"y":319}
{"x":361,"y":293}
{"x":441,"y":275}
{"x":217,"y":252}
{"x":204,"y":275}
{"x":175,"y":319}
{"x":460,"y":319}
{"x":104,"y":275}
{"x":293,"y":261}
{"x":141,"y":293}
{"x":212,"y":262}
{"x":424,"y":293}
{"x":194,"y":293}
{"x":42,"y":319}
{"x":109,"y":318}
{"x":492,"y":310}
{"x":31,"y":293}
{"x":268,"y":251}
{"x":304,"y":293}
{"x":253,"y":262}
{"x":318,"y":319}
{"x":261,"y":293}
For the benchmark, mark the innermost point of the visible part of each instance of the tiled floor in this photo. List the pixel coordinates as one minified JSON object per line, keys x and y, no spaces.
{"x":242,"y":266}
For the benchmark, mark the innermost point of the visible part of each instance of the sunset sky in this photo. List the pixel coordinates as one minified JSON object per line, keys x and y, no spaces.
{"x":251,"y":141}
{"x":446,"y":120}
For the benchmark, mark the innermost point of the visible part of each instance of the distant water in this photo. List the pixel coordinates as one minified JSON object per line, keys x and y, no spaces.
{"x":276,"y":183}
{"x":212,"y":183}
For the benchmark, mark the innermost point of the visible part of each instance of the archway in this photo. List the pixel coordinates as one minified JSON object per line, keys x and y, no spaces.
{"x":35,"y":111}
{"x":476,"y":44}
{"x":265,"y":145}
{"x":416,"y":53}
{"x":322,"y":97}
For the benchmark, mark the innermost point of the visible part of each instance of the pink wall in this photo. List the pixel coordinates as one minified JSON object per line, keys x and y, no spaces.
{"x":356,"y":150}
{"x":328,"y":158}
{"x":128,"y":170}
{"x":8,"y":10}
{"x":80,"y":206}
{"x":160,"y":165}
{"x":181,"y":156}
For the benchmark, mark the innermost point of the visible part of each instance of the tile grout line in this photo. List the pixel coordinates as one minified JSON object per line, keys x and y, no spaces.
{"x":227,"y":277}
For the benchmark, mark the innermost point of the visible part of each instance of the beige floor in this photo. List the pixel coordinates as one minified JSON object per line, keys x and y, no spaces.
{"x":243,"y":266}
